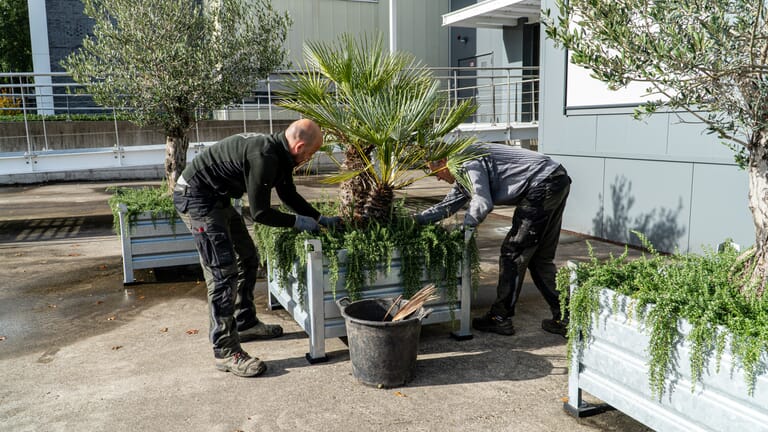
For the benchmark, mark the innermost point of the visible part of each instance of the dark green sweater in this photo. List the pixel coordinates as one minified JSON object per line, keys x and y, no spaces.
{"x":252,"y":163}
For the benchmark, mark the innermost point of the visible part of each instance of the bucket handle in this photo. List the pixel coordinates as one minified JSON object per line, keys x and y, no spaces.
{"x":343,"y":302}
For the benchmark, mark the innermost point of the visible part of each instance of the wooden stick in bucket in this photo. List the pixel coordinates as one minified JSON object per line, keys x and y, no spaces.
{"x":417,"y":301}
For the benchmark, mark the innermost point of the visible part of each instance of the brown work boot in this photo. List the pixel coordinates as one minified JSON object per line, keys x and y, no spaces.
{"x":260,"y":331}
{"x":241,"y":364}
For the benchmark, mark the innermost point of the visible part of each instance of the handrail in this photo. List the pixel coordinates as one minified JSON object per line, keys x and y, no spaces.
{"x":504,"y":95}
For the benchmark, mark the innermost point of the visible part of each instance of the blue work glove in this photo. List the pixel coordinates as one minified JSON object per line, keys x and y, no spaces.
{"x":329,"y":221}
{"x":305,"y":223}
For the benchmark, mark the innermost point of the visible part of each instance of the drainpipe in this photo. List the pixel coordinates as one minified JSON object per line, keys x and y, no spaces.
{"x":41,"y":58}
{"x":392,"y":26}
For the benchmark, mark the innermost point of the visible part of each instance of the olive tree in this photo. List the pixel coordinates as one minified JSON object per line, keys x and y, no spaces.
{"x":165,"y":60}
{"x":704,"y":57}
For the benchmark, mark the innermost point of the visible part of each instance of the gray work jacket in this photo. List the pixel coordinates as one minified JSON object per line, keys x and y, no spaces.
{"x":502,"y":176}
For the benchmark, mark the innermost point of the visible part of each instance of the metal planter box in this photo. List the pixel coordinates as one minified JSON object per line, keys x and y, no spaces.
{"x":148,"y":243}
{"x":614,"y":368}
{"x":319,"y":316}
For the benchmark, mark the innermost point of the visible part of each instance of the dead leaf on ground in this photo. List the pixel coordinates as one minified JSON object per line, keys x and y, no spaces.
{"x":141,"y":297}
{"x":116,"y":347}
{"x":2,"y":338}
{"x":75,"y":254}
{"x":112,"y":318}
{"x":18,"y":254}
{"x":52,"y":306}
{"x":102,"y":267}
{"x":164,"y":330}
{"x":98,"y":302}
{"x":193,"y":331}
{"x":564,"y":399}
{"x":399,"y":394}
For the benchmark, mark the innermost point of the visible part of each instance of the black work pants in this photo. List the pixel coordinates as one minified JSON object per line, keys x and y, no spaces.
{"x":230,"y":263}
{"x":531,"y":244}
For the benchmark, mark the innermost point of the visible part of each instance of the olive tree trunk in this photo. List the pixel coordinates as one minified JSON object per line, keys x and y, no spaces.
{"x":758,"y":203}
{"x":175,"y":158}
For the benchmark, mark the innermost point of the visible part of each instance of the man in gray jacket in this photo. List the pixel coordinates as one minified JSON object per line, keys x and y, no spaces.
{"x":538,"y":187}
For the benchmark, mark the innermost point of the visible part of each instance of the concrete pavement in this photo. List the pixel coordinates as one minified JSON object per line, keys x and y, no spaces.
{"x":81,"y":352}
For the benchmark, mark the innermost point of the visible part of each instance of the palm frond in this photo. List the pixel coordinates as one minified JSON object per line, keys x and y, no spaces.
{"x":385,"y":108}
{"x":341,"y":177}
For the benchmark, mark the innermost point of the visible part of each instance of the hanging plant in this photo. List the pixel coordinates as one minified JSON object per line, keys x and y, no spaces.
{"x":664,"y":289}
{"x":431,"y":248}
{"x":155,"y":200}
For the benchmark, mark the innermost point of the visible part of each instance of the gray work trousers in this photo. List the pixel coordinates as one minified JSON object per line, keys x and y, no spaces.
{"x":531,"y":244}
{"x":230,"y":262}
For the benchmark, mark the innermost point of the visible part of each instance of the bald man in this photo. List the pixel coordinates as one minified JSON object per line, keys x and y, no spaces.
{"x":252,"y":164}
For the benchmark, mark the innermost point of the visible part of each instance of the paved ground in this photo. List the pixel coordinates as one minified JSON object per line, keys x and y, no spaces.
{"x":80,"y":352}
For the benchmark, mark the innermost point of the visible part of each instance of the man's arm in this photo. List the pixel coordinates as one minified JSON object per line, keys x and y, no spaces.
{"x":290,"y":197}
{"x":452,"y":203}
{"x":261,"y":180}
{"x":482,"y":200}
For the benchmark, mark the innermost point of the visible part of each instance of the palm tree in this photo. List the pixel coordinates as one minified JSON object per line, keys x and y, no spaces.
{"x":385,"y":110}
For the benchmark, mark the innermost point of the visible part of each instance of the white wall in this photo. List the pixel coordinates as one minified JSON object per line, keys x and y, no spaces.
{"x":418,"y":23}
{"x":661,"y":176}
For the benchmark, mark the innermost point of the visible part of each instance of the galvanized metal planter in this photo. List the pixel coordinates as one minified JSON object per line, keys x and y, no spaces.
{"x":148,"y":243}
{"x":614,"y":368}
{"x":317,"y":313}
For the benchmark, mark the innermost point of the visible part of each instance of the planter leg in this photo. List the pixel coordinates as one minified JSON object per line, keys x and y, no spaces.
{"x":585,"y":409}
{"x":464,"y":332}
{"x":316,"y":352}
{"x":125,"y":243}
{"x":575,"y":405}
{"x":272,"y":303}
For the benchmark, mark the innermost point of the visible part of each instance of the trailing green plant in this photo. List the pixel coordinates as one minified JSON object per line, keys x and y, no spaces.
{"x":663,"y":289}
{"x":156,"y":201}
{"x":431,"y":248}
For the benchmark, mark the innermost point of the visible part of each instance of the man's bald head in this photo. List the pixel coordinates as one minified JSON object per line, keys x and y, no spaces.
{"x":304,"y":139}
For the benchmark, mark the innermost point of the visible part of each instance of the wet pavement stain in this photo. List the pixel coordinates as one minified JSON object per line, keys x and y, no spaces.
{"x":50,"y":298}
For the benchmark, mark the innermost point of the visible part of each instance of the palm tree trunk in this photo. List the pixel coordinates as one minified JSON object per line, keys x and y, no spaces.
{"x":175,"y":157}
{"x":353,"y":192}
{"x":378,"y":207}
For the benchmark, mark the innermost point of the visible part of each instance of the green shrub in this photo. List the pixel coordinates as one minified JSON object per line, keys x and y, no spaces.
{"x":153,"y":199}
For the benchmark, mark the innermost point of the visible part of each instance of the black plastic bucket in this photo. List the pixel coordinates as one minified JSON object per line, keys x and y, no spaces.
{"x":383,"y":353}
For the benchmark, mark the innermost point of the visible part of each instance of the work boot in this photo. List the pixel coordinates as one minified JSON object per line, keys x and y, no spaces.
{"x":555,"y":326}
{"x":260,"y":331}
{"x":241,"y":364}
{"x":494,"y":324}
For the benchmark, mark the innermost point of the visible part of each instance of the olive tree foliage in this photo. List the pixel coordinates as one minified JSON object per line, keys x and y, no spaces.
{"x":706,"y":57}
{"x":164,"y":61}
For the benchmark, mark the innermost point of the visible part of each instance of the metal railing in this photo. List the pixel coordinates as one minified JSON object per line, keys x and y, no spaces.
{"x":506,"y":97}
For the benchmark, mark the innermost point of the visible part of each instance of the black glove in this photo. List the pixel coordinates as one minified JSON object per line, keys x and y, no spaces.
{"x":419,"y":219}
{"x":329,"y":221}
